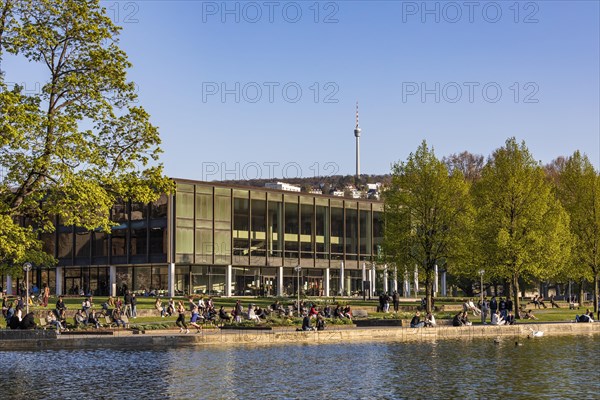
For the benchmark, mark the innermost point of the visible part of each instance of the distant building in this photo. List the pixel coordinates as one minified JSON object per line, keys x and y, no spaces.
{"x":282,"y":186}
{"x":315,"y":191}
{"x":373,"y":186}
{"x":339,"y":193}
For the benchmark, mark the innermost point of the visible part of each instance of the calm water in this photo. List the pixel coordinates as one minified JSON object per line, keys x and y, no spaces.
{"x":552,"y":368}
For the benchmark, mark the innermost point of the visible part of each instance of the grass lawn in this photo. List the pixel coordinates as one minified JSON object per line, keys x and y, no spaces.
{"x":562,"y":314}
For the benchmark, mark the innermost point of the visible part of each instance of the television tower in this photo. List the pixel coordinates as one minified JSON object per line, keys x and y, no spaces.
{"x":357,"y":135}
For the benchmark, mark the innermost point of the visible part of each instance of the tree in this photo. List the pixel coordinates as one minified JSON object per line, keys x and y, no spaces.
{"x":469,"y":164}
{"x":578,"y":186}
{"x":81,"y":144}
{"x":427,"y":212}
{"x":521,"y":227}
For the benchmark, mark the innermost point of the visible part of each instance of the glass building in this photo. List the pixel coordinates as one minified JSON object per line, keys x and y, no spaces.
{"x":219,"y":239}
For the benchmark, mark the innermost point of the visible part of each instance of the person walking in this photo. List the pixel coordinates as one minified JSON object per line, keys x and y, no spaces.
{"x":485,"y":308}
{"x":181,"y":318}
{"x":396,"y":300}
{"x":127,"y":301}
{"x":45,"y":295}
{"x":133,"y":306}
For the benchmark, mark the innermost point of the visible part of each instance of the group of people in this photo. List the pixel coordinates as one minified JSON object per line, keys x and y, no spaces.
{"x":416,"y":322}
{"x":14,"y":313}
{"x":385,"y":299}
{"x":588,"y":316}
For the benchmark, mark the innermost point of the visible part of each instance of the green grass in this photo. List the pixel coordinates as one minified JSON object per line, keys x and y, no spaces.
{"x":562,"y":314}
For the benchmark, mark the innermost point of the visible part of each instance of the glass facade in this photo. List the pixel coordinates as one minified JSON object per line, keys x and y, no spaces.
{"x":206,"y":229}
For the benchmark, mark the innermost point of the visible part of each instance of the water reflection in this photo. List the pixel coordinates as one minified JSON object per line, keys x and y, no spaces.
{"x":545,"y":368}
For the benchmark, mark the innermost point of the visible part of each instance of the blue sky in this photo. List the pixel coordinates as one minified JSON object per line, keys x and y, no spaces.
{"x":543,"y":56}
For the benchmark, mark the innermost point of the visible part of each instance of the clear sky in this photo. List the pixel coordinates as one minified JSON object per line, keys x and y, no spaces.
{"x":222,"y":80}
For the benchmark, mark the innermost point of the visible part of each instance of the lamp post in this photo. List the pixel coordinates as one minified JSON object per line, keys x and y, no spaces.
{"x":298,"y":269}
{"x":27,"y":268}
{"x":481,"y":272}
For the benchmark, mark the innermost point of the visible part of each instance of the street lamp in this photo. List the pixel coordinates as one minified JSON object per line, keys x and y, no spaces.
{"x":27,"y":268}
{"x":298,"y":269}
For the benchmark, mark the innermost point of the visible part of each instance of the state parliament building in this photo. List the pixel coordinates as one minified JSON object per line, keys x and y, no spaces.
{"x":219,"y":239}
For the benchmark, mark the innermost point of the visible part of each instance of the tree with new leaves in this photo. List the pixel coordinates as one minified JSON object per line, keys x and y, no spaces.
{"x":80,"y":144}
{"x":578,"y":187}
{"x":522,"y":229}
{"x":427,"y":213}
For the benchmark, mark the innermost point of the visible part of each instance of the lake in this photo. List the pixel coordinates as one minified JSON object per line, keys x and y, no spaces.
{"x":550,"y":367}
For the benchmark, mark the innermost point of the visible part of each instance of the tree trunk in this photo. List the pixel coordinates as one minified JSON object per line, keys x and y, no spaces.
{"x":428,"y":293}
{"x":516,"y":298}
{"x":581,"y":293}
{"x":596,"y":293}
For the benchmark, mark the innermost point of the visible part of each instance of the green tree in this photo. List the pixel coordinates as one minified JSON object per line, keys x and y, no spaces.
{"x":81,"y":143}
{"x":427,"y":212}
{"x":522,"y":229}
{"x":578,"y":186}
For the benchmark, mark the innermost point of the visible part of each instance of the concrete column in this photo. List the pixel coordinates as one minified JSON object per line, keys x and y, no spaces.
{"x":228,"y":277}
{"x":112,"y":281}
{"x":326,"y":282}
{"x":395,"y":278}
{"x":385,"y":279}
{"x":280,"y":281}
{"x":444,"y":287}
{"x":9,"y":285}
{"x":406,"y":284}
{"x":373,"y":279}
{"x":342,"y":278}
{"x":58,"y":280}
{"x":170,"y":279}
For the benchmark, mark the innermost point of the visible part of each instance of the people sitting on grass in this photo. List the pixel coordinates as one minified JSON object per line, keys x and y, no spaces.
{"x":251,"y":314}
{"x":348,"y":312}
{"x":306,"y":324}
{"x":53,"y":321}
{"x":61,"y":309}
{"x":224,"y":315}
{"x":338,"y":312}
{"x":529,"y":315}
{"x":553,"y":302}
{"x":277,"y":307}
{"x":416,"y":322}
{"x":80,"y":319}
{"x":158,"y":305}
{"x":170,"y":307}
{"x":470,"y":306}
{"x":588,"y":316}
{"x":261,"y":313}
{"x":320,"y":323}
{"x":93,"y":320}
{"x":430,"y":320}
{"x":497,"y":319}
{"x":117,"y":317}
{"x":510,"y":319}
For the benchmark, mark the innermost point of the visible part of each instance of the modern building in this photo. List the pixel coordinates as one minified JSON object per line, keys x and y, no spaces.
{"x":220,"y":239}
{"x":282,"y":186}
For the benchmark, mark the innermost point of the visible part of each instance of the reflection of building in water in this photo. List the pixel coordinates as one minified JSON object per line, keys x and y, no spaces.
{"x":220,"y":239}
